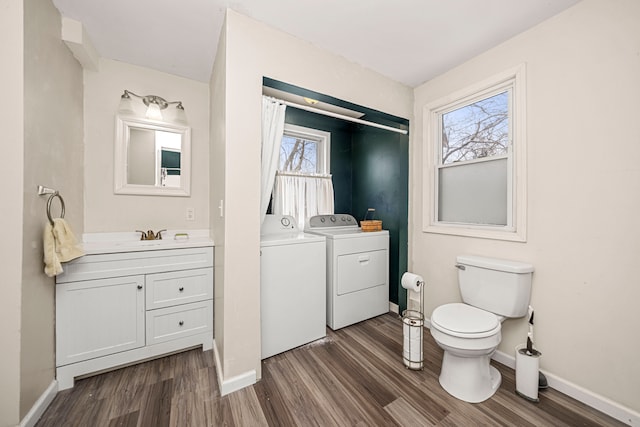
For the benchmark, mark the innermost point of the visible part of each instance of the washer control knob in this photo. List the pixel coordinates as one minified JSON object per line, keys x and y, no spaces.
{"x":332,"y":218}
{"x":322,"y":219}
{"x":285,"y":221}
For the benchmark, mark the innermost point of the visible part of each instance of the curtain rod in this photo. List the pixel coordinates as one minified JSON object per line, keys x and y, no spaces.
{"x":304,"y":175}
{"x":341,"y":116}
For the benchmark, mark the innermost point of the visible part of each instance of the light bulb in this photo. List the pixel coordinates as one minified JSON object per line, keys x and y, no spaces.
{"x":180,"y":116}
{"x":153,"y":112}
{"x":126,"y":105}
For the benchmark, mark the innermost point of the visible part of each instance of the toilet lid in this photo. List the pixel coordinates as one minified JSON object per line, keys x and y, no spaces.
{"x":464,"y":319}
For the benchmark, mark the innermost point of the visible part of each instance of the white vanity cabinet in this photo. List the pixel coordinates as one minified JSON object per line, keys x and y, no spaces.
{"x":114,"y":309}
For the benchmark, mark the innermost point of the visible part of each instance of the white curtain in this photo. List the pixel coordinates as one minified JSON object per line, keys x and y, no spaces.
{"x":272,"y":131}
{"x":302,"y":196}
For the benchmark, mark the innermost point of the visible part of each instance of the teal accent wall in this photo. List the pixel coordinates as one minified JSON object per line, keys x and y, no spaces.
{"x":380,"y":167}
{"x":370,"y":169}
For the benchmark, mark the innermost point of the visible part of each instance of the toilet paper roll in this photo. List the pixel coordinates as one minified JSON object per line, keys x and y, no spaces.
{"x":411,"y":281}
{"x":412,"y":345}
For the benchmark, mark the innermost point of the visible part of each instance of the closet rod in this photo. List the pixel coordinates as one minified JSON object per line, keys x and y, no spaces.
{"x":341,"y":116}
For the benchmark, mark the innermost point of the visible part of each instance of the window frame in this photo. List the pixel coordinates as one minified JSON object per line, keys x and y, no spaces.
{"x":513,"y":80}
{"x":323,"y":151}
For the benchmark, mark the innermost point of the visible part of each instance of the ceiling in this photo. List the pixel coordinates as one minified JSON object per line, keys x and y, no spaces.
{"x":409,"y":41}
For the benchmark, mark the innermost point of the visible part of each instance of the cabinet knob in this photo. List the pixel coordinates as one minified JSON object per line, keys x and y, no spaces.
{"x":181,"y":323}
{"x":181,"y":288}
{"x":139,"y":286}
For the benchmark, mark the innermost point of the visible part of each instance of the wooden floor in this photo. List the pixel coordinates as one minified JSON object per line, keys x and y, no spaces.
{"x":354,"y":377}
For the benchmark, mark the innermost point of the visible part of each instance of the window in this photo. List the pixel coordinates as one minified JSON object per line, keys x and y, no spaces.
{"x":303,"y":186}
{"x":476,"y":160}
{"x":304,"y":150}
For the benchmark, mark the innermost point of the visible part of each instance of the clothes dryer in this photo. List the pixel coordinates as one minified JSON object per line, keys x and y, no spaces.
{"x":357,"y":269}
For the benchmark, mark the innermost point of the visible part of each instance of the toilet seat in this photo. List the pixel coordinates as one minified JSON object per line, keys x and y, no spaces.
{"x":465,"y":321}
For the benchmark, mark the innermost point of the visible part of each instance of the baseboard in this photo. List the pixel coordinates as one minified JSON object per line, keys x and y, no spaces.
{"x":505,"y":359}
{"x":394,"y":308}
{"x":427,"y":323}
{"x":40,"y":405}
{"x":234,"y":383}
{"x":596,"y":401}
{"x":601,"y":403}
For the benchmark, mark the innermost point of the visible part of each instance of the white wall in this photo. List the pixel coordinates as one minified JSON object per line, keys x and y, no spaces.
{"x":53,"y":156}
{"x":254,"y":50}
{"x":217,"y":161}
{"x":12,"y":124}
{"x":42,"y":144}
{"x":583,"y":110}
{"x":107,"y":212}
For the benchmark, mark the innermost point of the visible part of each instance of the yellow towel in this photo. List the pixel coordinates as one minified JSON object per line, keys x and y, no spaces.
{"x":60,"y":246}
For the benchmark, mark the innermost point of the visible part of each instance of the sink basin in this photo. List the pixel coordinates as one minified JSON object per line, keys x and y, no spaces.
{"x":161,"y":242}
{"x":127,"y":244}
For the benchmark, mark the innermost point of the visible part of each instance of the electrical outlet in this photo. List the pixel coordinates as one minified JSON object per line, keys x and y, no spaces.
{"x":190,"y":214}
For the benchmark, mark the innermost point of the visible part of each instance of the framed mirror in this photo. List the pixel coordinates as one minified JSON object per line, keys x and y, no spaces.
{"x":152,"y":158}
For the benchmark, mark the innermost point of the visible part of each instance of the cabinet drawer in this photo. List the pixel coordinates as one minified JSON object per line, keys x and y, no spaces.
{"x":179,"y":287}
{"x":166,"y":324}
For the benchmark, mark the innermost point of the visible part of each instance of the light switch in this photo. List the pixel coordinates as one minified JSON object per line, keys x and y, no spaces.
{"x":190,"y":214}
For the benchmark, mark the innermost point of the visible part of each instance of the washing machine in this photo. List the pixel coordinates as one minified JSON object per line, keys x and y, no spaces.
{"x":357,"y":269}
{"x":292,"y":285}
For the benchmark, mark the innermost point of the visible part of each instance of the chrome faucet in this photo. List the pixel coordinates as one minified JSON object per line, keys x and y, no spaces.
{"x":150,"y":235}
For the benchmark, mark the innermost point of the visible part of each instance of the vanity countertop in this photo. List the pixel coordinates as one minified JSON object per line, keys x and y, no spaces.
{"x":107,"y":243}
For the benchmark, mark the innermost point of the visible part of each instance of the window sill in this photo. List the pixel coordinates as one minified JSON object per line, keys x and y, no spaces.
{"x":480,"y":232}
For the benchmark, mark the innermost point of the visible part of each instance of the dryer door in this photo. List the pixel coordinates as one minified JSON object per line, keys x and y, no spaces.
{"x":363,"y":270}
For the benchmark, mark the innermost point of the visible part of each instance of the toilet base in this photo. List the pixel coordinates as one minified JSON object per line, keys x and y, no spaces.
{"x":471,"y":379}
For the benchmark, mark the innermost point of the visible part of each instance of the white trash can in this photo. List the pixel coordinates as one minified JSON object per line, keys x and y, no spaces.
{"x":527,"y":373}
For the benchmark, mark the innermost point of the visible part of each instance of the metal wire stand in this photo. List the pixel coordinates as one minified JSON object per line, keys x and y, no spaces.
{"x":412,"y":329}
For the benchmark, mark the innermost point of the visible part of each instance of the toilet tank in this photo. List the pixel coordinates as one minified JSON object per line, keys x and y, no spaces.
{"x":500,"y":286}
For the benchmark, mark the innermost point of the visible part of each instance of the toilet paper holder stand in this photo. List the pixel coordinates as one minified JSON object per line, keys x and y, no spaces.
{"x":413,"y":328}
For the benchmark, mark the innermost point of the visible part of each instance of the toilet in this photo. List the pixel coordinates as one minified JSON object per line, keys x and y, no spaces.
{"x":470,"y":332}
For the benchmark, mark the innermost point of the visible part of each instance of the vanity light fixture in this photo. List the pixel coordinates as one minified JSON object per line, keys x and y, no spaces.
{"x":155,"y":104}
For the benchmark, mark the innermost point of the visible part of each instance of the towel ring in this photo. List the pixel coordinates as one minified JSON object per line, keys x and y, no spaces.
{"x":51,"y":197}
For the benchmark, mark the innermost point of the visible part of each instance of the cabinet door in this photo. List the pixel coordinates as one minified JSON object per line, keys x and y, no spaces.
{"x":98,"y":317}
